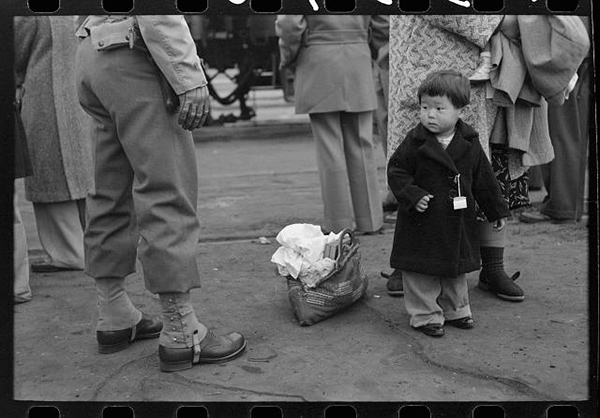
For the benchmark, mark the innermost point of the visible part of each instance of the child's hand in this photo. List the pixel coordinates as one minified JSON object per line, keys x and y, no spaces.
{"x":499,"y":224}
{"x":423,"y":204}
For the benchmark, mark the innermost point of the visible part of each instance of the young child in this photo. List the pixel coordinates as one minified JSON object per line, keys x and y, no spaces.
{"x":438,"y":175}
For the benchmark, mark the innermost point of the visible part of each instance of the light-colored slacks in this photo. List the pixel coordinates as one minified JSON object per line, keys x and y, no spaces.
{"x":348,"y":170}
{"x":381,"y":77}
{"x":22,"y":290}
{"x":433,"y":299}
{"x":146,"y":181}
{"x":61,"y":233}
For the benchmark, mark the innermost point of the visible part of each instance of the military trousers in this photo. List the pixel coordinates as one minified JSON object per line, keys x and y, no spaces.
{"x":145,"y":172}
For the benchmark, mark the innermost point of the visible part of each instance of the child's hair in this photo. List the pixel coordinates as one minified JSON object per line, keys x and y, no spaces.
{"x":449,"y":83}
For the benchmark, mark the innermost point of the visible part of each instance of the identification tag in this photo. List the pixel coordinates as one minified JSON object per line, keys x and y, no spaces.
{"x":459,"y":202}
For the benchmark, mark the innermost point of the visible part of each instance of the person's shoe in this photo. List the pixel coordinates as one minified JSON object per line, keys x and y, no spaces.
{"x":212,"y":349}
{"x":394,"y":283}
{"x":502,"y":286}
{"x":21,"y":299}
{"x":376,"y":232}
{"x":45,"y":267}
{"x":462,"y":323}
{"x":113,"y":341}
{"x":390,"y":218}
{"x":482,"y":73}
{"x":389,"y":206}
{"x":538,"y":217}
{"x":431,"y":330}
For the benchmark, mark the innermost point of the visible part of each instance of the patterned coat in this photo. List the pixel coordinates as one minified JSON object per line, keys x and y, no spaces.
{"x":56,"y":126}
{"x":420,"y":44}
{"x":551,"y":47}
{"x":332,"y":61}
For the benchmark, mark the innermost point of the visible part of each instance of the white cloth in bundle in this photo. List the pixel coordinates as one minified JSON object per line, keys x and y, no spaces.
{"x":301,"y":253}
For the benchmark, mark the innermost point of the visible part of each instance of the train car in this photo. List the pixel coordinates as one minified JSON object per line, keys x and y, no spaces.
{"x":244,"y":50}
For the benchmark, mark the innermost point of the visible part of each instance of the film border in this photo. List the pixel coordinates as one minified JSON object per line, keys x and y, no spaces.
{"x":241,"y":7}
{"x":10,"y":8}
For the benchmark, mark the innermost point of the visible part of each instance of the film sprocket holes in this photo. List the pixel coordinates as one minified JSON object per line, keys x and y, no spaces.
{"x":541,"y":408}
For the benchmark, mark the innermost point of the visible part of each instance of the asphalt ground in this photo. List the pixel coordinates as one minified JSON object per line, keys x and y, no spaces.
{"x":255,"y":178}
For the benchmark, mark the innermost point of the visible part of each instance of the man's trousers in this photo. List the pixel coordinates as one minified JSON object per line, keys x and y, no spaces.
{"x":564,"y":177}
{"x":348,"y":170}
{"x":146,"y":185}
{"x":60,"y":229}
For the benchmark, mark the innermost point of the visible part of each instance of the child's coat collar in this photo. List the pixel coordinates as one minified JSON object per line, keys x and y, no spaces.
{"x":461,"y":143}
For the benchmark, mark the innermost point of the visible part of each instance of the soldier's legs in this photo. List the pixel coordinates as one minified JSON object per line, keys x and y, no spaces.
{"x":111,"y":236}
{"x":158,"y":162}
{"x":155,"y":162}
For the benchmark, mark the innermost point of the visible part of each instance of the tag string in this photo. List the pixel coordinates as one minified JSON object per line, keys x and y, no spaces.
{"x":458,"y":182}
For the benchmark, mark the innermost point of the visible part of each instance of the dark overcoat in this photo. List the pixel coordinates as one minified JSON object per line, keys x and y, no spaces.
{"x":441,"y":241}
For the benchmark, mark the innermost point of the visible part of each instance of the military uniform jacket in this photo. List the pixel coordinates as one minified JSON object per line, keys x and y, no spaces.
{"x":167,"y":38}
{"x":332,"y":61}
{"x":441,"y":241}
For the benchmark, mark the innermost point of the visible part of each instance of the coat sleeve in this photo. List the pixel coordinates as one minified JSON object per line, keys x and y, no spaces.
{"x":553,"y":48}
{"x":172,"y":47}
{"x":400,"y":173}
{"x":25,"y":31}
{"x":380,"y":36}
{"x":289,"y":29}
{"x":473,"y":28}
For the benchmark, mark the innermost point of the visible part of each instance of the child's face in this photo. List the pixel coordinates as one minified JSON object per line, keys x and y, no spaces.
{"x":438,"y":114}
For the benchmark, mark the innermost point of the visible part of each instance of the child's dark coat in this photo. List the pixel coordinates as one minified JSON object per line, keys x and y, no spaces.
{"x":441,"y":241}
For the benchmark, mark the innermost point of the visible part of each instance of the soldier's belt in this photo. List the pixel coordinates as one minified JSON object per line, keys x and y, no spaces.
{"x":336,"y":37}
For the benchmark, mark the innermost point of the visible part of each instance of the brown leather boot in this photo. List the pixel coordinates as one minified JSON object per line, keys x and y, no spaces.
{"x":184,"y":341}
{"x":212,"y":349}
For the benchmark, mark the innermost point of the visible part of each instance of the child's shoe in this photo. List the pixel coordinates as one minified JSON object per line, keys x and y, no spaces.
{"x":394,"y":284}
{"x":482,"y":73}
{"x":462,"y":323}
{"x":431,"y":330}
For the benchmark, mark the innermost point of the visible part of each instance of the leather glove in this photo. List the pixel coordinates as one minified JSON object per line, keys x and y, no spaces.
{"x":194,"y":108}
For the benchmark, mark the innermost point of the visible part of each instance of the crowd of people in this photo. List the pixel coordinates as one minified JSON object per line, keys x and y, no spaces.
{"x":464,"y":105}
{"x":516,"y":66}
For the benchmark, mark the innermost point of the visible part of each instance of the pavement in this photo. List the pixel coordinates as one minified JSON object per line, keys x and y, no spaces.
{"x":255,"y":178}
